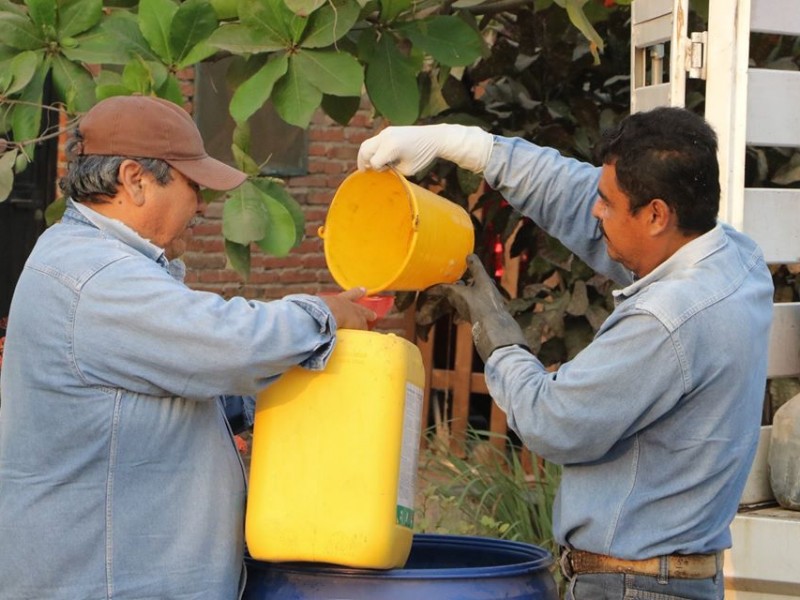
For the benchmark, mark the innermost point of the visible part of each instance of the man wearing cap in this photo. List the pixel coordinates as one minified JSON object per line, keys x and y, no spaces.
{"x":656,"y":421}
{"x":119,"y":476}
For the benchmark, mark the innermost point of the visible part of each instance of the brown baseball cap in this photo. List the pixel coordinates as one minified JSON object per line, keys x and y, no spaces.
{"x":148,"y":127}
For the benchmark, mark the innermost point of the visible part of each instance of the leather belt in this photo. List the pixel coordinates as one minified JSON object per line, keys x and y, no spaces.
{"x":680,"y":566}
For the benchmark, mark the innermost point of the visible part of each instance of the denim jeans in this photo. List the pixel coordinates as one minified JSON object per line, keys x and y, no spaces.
{"x":613,"y":586}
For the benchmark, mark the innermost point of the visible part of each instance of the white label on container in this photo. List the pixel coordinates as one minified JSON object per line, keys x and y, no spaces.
{"x":409,"y":455}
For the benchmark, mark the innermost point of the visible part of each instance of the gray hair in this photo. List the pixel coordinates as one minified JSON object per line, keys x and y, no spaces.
{"x":90,"y":176}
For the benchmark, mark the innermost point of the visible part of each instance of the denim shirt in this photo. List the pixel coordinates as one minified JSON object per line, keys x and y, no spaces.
{"x":119,"y":476}
{"x":656,"y":421}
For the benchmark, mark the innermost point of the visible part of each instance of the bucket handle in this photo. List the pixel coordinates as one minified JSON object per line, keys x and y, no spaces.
{"x":321,"y":231}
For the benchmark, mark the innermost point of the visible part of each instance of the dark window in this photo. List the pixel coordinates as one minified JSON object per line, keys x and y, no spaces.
{"x":284,"y":147}
{"x":22,"y":213}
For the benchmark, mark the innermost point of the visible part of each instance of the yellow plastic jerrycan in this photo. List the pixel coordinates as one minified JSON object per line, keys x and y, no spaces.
{"x":334,"y":457}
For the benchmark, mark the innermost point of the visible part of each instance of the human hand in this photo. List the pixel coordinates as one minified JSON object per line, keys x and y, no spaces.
{"x":482,"y":305}
{"x":346,"y":311}
{"x":412,"y":148}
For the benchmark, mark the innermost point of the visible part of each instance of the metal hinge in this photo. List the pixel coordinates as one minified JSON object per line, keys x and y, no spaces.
{"x":696,"y":60}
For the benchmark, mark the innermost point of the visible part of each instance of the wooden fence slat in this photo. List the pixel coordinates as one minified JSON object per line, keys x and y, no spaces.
{"x":462,"y":373}
{"x":426,"y":349}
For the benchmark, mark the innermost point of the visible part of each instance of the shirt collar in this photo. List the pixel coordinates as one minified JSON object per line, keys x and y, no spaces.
{"x":687,"y":255}
{"x":119,"y":230}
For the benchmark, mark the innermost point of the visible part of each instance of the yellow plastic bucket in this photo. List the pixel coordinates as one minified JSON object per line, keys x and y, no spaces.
{"x":383,"y":232}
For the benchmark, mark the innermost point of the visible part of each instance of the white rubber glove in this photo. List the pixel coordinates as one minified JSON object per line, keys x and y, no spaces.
{"x":411,"y":149}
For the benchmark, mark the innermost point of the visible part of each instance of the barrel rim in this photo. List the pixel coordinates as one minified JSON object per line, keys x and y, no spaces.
{"x":539,"y":559}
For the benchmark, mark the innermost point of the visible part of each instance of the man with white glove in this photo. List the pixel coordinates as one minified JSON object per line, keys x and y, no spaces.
{"x":411,"y":149}
{"x":656,"y":421}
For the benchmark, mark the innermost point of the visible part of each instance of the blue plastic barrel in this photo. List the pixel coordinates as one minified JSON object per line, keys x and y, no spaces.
{"x":440,"y":567}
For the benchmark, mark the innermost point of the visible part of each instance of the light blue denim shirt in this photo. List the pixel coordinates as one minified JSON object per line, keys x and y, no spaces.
{"x":656,"y":421}
{"x":119,"y":477}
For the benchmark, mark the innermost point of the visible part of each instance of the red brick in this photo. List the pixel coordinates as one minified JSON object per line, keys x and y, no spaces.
{"x":318,"y":149}
{"x":307,"y":181}
{"x":327,"y":134}
{"x":296,"y":276}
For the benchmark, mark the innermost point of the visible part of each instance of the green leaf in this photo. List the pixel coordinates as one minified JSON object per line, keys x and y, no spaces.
{"x":193,"y":22}
{"x":6,"y":111}
{"x":78,"y":16}
{"x":155,"y":19}
{"x":433,"y":100}
{"x":243,"y":39}
{"x":340,"y":109}
{"x":366,"y":44}
{"x":42,"y":13}
{"x":579,"y":20}
{"x":199,"y":53}
{"x":391,"y":81}
{"x":112,"y":42}
{"x":253,"y":93}
{"x":331,"y":72}
{"x":242,"y":134}
{"x":26,"y":121}
{"x":448,"y":39}
{"x":281,"y":234}
{"x":24,"y":158}
{"x":171,"y":90}
{"x":137,"y":77}
{"x":7,"y":6}
{"x":17,"y":31}
{"x":274,"y":20}
{"x":390,"y":9}
{"x":21,"y":70}
{"x":330,"y":23}
{"x":295,"y":98}
{"x":245,"y":217}
{"x":108,"y":90}
{"x":7,"y":160}
{"x":158,"y":73}
{"x":55,"y":210}
{"x":226,"y":9}
{"x":123,"y":26}
{"x":304,"y":7}
{"x":74,"y":85}
{"x":238,"y":258}
{"x":277,"y":191}
{"x":243,"y":161}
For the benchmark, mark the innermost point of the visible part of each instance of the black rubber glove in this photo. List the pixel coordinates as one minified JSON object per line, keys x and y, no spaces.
{"x":482,"y":305}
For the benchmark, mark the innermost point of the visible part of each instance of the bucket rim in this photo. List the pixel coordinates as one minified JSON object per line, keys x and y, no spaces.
{"x":538,"y":559}
{"x":324,"y":230}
